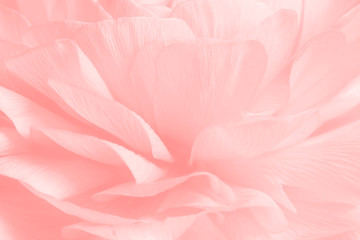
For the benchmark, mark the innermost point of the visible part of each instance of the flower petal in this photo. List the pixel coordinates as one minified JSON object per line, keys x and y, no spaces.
{"x":114,"y":118}
{"x":242,"y":145}
{"x":324,"y":68}
{"x":250,"y":138}
{"x":349,"y":24}
{"x":203,"y":228}
{"x":26,"y":114}
{"x":150,"y":189}
{"x":112,"y":45}
{"x":47,"y":33}
{"x":322,"y":15}
{"x":61,"y":60}
{"x":207,"y":79}
{"x":220,"y":19}
{"x":321,"y":219}
{"x":9,"y":49}
{"x":106,"y":152}
{"x":277,"y":33}
{"x":218,"y":196}
{"x":45,"y":11}
{"x":11,"y":142}
{"x":87,"y":214}
{"x":168,"y":229}
{"x":242,"y":225}
{"x":125,"y":8}
{"x":342,"y":108}
{"x":327,"y":162}
{"x":143,"y":79}
{"x":12,"y":24}
{"x":274,"y":96}
{"x":24,"y":216}
{"x":60,"y":177}
{"x":158,"y":10}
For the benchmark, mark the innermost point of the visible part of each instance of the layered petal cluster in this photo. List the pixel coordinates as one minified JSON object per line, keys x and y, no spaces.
{"x":180,"y":119}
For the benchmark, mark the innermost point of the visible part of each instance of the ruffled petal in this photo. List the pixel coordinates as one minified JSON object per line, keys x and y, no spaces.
{"x":204,"y":227}
{"x":241,"y":146}
{"x":150,"y":189}
{"x":318,"y":16}
{"x":112,"y":45}
{"x":277,"y":33}
{"x":207,"y":79}
{"x":328,"y":162}
{"x":12,"y":24}
{"x":220,"y":19}
{"x":45,"y":11}
{"x":105,"y":152}
{"x":242,"y":225}
{"x":143,"y":78}
{"x":168,"y":229}
{"x":61,"y":60}
{"x":84,"y":213}
{"x":9,"y":49}
{"x":60,"y":177}
{"x":25,"y":216}
{"x":240,"y":142}
{"x":26,"y":114}
{"x":342,"y":108}
{"x":114,"y":118}
{"x":11,"y":142}
{"x":350,"y":23}
{"x":323,"y":219}
{"x":326,"y":66}
{"x":47,"y":33}
{"x":125,"y":8}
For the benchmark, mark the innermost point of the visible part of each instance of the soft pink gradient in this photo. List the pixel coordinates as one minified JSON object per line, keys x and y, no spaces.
{"x":180,"y":119}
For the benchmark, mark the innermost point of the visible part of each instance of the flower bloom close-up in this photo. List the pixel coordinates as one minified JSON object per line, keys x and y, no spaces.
{"x":180,"y":119}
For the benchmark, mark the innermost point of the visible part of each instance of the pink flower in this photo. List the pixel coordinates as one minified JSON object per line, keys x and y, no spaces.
{"x":180,"y":119}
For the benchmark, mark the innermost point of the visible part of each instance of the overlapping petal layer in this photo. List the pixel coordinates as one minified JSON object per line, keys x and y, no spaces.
{"x":180,"y":119}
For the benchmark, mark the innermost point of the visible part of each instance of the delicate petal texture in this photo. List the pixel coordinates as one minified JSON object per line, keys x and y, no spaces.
{"x":316,"y":16}
{"x":321,"y":219}
{"x":44,"y":11}
{"x":59,"y":60}
{"x":316,"y":72}
{"x":220,"y":19}
{"x":277,"y":33}
{"x":114,"y":118}
{"x":26,"y":114}
{"x":151,"y":189}
{"x":112,"y":45}
{"x":168,"y":229}
{"x":333,"y":153}
{"x":240,"y":144}
{"x":9,"y":49}
{"x":59,"y":179}
{"x":203,"y":85}
{"x":253,"y":137}
{"x":350,"y":23}
{"x":203,"y":227}
{"x":321,"y":15}
{"x":25,"y":216}
{"x":103,"y":151}
{"x":12,"y":25}
{"x":47,"y":33}
{"x":11,"y":142}
{"x":125,"y":8}
{"x":143,"y":78}
{"x":342,"y":108}
{"x":180,"y":119}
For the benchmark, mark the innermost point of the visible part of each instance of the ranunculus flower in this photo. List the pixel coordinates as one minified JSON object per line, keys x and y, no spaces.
{"x":170,"y":119}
